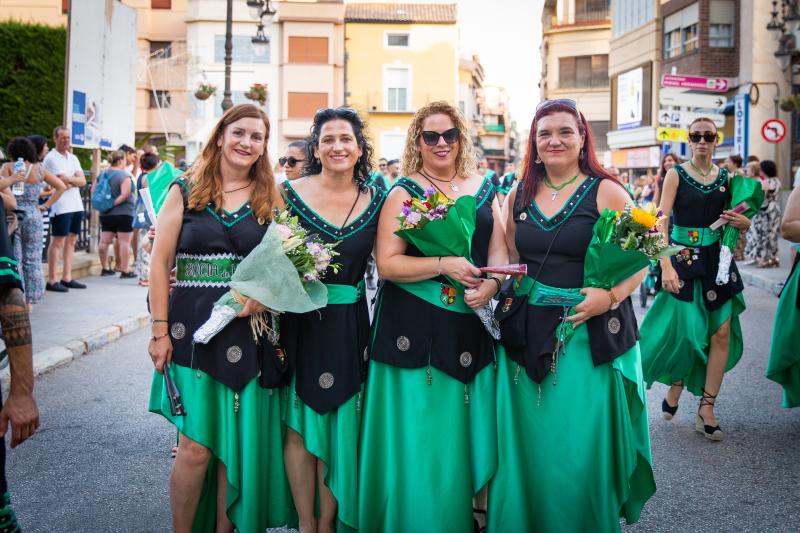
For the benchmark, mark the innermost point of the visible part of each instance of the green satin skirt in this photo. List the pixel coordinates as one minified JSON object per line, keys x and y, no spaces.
{"x":576,"y":458}
{"x":784,"y":355}
{"x":676,"y":337}
{"x":333,"y":439}
{"x":425,"y":449}
{"x":248,"y":442}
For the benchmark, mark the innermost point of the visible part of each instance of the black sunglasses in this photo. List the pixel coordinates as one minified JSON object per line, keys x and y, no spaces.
{"x":431,"y":138}
{"x":544,"y":104}
{"x":707,"y":137}
{"x":291,"y":161}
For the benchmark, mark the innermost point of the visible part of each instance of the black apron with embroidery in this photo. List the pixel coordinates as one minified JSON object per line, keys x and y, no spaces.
{"x":612,"y":333}
{"x":699,"y":205}
{"x":409,"y":332}
{"x":327,"y":348}
{"x":204,"y":248}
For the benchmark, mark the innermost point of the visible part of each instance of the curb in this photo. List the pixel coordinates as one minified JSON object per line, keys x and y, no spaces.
{"x":761,"y":282}
{"x":56,"y":356}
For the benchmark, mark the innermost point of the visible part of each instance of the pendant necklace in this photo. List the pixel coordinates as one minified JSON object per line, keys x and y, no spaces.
{"x":705,"y":174}
{"x":451,"y":182}
{"x":557,"y":188}
{"x":249,"y":183}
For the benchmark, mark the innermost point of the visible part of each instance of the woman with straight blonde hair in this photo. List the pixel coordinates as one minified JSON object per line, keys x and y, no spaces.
{"x":428,"y":438}
{"x":229,"y":470}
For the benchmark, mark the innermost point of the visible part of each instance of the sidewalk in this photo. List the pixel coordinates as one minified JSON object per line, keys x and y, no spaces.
{"x":69,"y":325}
{"x":769,"y":279}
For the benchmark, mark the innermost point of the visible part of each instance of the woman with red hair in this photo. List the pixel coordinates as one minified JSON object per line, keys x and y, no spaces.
{"x":572,"y":457}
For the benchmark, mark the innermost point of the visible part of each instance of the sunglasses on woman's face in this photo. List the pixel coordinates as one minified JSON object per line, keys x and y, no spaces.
{"x":291,"y":161}
{"x":431,"y":138}
{"x":707,"y":137}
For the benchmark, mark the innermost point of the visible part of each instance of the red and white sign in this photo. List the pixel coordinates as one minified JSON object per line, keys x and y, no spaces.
{"x":773,"y":130}
{"x":701,"y":83}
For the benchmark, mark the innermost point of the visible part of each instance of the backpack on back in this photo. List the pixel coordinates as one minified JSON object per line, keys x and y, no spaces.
{"x":102,"y":199}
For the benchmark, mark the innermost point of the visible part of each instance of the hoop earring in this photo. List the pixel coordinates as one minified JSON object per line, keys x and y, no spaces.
{"x":582,"y":155}
{"x":538,"y":161}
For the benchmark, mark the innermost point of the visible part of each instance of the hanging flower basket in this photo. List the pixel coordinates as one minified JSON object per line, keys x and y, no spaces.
{"x":257,"y":93}
{"x":204,"y":91}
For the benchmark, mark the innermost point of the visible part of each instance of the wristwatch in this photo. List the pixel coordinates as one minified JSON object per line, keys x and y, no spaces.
{"x":614,"y":302}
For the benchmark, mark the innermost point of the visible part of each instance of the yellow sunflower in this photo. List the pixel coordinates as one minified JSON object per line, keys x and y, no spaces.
{"x":644,"y":217}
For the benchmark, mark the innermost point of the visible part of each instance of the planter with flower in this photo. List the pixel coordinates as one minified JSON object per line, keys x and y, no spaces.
{"x":258,"y":93}
{"x":205,"y":91}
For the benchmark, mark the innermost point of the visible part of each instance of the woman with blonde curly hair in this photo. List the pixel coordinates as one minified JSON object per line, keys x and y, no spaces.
{"x":428,"y":441}
{"x":229,"y":470}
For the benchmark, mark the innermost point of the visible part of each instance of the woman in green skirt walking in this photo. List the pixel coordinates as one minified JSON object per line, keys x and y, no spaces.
{"x":428,"y":442}
{"x":573,"y":443}
{"x":784,"y":355}
{"x":691,"y":335}
{"x":228,"y":472}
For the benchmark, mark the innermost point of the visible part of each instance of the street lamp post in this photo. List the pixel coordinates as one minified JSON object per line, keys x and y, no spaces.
{"x":260,"y":9}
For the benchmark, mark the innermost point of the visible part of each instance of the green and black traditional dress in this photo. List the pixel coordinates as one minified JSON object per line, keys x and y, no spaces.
{"x":327,"y":350}
{"x":574,"y":448}
{"x":428,"y":440}
{"x":505,"y":184}
{"x":784,"y":355}
{"x":222,"y":383}
{"x":677,"y":331}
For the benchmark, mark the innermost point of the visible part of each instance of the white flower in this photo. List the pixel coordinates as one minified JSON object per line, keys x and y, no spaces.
{"x":413,"y":218}
{"x":284,"y":231}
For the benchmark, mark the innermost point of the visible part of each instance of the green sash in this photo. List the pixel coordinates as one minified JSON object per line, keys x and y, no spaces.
{"x":439,"y":294}
{"x":212,"y":269}
{"x":694,"y":236}
{"x":345,"y":294}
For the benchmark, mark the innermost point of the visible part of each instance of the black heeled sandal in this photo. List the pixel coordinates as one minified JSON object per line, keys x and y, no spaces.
{"x":476,"y":525}
{"x":668,"y":411}
{"x":711,"y":432}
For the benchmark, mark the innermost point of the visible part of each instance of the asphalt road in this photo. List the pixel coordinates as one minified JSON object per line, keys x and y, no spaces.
{"x":100,"y":462}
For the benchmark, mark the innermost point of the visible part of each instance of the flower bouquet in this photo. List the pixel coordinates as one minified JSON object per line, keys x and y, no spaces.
{"x":746,"y":199}
{"x":439,"y":226}
{"x":282,"y":273}
{"x":624,"y":243}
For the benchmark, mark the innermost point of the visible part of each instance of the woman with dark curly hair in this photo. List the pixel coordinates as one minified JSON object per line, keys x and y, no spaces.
{"x":322,"y":407}
{"x":429,"y":444}
{"x":28,"y":242}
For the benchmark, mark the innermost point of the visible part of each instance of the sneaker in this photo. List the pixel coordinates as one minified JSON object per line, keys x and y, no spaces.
{"x":107,"y":272}
{"x":128,"y":275}
{"x":56,"y":287}
{"x":72,"y":284}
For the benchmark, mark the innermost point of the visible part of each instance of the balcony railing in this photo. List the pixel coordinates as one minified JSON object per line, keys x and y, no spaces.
{"x":550,"y":20}
{"x":494,"y":128}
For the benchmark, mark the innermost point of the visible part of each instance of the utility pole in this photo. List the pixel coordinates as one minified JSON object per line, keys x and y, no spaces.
{"x":227,"y":103}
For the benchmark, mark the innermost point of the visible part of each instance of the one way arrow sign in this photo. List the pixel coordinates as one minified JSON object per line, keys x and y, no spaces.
{"x":683,"y":99}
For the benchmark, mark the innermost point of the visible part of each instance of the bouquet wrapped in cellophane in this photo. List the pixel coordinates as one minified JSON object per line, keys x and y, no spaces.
{"x":439,"y":226}
{"x":623,"y":243}
{"x":282,"y":273}
{"x":746,"y":199}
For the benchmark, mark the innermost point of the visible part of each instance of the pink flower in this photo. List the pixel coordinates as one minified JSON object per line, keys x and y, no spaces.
{"x":284,"y":231}
{"x":413,"y":218}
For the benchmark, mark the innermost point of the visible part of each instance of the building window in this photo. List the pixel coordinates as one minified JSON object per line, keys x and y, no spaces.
{"x":398,"y":40}
{"x":160,"y":49}
{"x":627,"y":15}
{"x":243,"y":50}
{"x":308,"y":49}
{"x":681,"y":31}
{"x":161,"y":4}
{"x":305,"y":105}
{"x":721,"y":24}
{"x":397,"y":86}
{"x":583,"y":72}
{"x":591,"y":10}
{"x":160,"y":99}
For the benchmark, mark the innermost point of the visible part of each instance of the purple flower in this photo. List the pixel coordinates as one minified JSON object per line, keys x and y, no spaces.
{"x":413,"y":218}
{"x":405,"y":210}
{"x":430,"y":191}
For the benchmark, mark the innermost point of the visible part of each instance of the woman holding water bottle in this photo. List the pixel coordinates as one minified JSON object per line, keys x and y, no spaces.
{"x":26,"y":178}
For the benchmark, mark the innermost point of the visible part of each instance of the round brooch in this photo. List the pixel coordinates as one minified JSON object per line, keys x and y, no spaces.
{"x":734,"y":277}
{"x":465,"y":359}
{"x":403,"y":344}
{"x":614,"y":325}
{"x":722,"y":189}
{"x":523,"y":216}
{"x":326,"y":380}
{"x":178,"y":331}
{"x":711,"y":295}
{"x":681,"y":283}
{"x":233,"y":354}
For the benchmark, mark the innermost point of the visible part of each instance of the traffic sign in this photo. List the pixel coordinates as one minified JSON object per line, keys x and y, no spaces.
{"x":679,"y":135}
{"x":718,"y":85}
{"x":773,"y":130}
{"x":684,"y":118}
{"x":683,"y":99}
